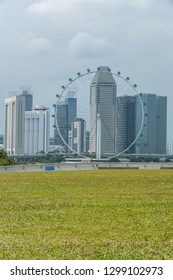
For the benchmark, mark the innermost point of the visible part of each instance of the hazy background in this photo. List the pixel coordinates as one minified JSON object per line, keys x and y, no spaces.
{"x":43,"y":43}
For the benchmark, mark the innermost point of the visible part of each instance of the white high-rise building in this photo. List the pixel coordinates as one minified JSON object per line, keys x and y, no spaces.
{"x":103,"y":103}
{"x":15,"y":108}
{"x":37,"y":127}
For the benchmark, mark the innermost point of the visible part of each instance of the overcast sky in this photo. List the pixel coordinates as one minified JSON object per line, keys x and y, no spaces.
{"x":44,"y":42}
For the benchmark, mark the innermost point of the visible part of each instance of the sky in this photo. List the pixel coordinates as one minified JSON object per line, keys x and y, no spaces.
{"x":44,"y":42}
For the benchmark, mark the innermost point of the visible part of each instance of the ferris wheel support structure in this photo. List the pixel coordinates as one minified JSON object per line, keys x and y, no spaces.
{"x":98,"y":143}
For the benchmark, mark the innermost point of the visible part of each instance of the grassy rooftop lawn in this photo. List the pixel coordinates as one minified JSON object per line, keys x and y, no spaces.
{"x":105,"y":214}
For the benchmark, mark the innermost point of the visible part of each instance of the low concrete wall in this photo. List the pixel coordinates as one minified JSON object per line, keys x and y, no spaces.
{"x":85,"y":166}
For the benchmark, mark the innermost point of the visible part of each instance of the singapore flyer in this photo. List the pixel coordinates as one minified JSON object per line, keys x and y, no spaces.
{"x":98,"y":114}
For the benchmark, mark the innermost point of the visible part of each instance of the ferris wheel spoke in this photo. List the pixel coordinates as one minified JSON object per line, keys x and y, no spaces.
{"x":81,"y":91}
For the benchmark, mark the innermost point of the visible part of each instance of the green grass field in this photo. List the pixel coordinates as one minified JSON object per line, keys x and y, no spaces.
{"x":105,"y":214}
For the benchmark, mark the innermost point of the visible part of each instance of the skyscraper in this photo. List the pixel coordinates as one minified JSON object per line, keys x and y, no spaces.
{"x":37,"y":127}
{"x":65,"y":113}
{"x":78,"y":135}
{"x":152,"y":139}
{"x":125,"y":120}
{"x":103,"y":104}
{"x":28,"y":98}
{"x":71,"y":103}
{"x":161,"y":124}
{"x":15,"y":108}
{"x":61,"y":134}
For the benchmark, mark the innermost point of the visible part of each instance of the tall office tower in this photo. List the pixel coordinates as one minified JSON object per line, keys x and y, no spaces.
{"x":28,"y":98}
{"x":103,"y":104}
{"x":78,"y":135}
{"x":72,"y":110}
{"x":66,"y":114}
{"x":15,"y":108}
{"x":125,"y":119}
{"x":161,"y":124}
{"x":62,"y":122}
{"x":37,"y":126}
{"x":152,"y":139}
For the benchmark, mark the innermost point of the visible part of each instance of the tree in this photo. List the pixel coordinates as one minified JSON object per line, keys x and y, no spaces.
{"x":3,"y":154}
{"x":4,"y":159}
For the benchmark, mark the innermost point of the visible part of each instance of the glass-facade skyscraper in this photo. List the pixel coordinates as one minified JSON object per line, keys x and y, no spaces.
{"x":161,"y":124}
{"x":103,"y":104}
{"x":125,"y":123}
{"x":62,"y":122}
{"x":152,"y":139}
{"x":65,"y":114}
{"x":71,"y":103}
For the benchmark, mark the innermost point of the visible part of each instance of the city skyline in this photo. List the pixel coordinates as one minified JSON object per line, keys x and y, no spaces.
{"x":117,"y":124}
{"x":45,"y":42}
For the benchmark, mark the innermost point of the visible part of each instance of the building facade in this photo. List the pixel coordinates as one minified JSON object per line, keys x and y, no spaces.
{"x":15,"y":108}
{"x":65,"y":113}
{"x":125,"y":124}
{"x":103,"y":104}
{"x":78,"y":135}
{"x":152,"y":138}
{"x":37,"y":130}
{"x":161,"y":124}
{"x":61,"y":134}
{"x":71,"y":110}
{"x":1,"y":141}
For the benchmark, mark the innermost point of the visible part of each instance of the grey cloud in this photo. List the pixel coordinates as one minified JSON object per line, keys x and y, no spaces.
{"x":46,"y":41}
{"x":84,"y":44}
{"x":35,"y":44}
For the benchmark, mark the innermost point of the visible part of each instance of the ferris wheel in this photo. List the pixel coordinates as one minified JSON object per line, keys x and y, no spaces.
{"x":77,"y":130}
